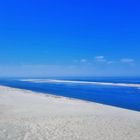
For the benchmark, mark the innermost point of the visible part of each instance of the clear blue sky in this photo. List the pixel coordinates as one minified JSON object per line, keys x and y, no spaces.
{"x":69,"y":37}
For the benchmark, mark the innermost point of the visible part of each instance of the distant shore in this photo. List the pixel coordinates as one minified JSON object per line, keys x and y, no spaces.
{"x":82,"y":82}
{"x":28,"y":115}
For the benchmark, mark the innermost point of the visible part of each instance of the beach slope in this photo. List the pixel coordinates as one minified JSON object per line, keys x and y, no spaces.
{"x":26,"y":115}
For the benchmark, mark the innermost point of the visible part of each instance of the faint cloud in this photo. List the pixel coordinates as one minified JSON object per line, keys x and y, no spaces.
{"x":127,"y":60}
{"x":83,"y":60}
{"x":110,"y":62}
{"x":100,"y":59}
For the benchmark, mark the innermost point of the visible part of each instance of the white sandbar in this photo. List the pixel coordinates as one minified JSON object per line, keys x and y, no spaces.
{"x":81,"y":82}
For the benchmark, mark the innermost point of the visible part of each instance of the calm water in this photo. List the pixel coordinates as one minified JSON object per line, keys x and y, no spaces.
{"x":124,"y":97}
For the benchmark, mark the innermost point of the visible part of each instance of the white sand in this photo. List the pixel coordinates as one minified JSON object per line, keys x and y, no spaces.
{"x":25,"y":115}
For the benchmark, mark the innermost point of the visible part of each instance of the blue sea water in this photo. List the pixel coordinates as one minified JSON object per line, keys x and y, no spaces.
{"x":124,"y":97}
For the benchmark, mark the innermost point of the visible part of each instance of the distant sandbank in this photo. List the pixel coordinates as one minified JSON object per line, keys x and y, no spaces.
{"x":81,"y":82}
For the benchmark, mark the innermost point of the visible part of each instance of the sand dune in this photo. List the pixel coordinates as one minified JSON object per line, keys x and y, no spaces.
{"x":25,"y":115}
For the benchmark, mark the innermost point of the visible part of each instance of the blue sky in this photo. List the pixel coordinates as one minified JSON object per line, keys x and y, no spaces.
{"x":69,"y":38}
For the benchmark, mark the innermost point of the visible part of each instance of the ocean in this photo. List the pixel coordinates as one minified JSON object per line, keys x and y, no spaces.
{"x":105,"y":91}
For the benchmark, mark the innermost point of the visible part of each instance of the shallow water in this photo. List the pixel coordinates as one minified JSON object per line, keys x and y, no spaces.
{"x":124,"y":97}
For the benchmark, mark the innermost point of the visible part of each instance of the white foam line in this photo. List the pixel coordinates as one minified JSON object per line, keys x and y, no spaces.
{"x":81,"y":82}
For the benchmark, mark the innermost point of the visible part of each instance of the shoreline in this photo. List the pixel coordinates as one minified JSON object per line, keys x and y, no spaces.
{"x":44,"y":116}
{"x":44,"y":94}
{"x":66,"y":97}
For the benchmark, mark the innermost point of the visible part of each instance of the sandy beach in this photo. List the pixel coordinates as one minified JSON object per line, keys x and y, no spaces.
{"x":26,"y":115}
